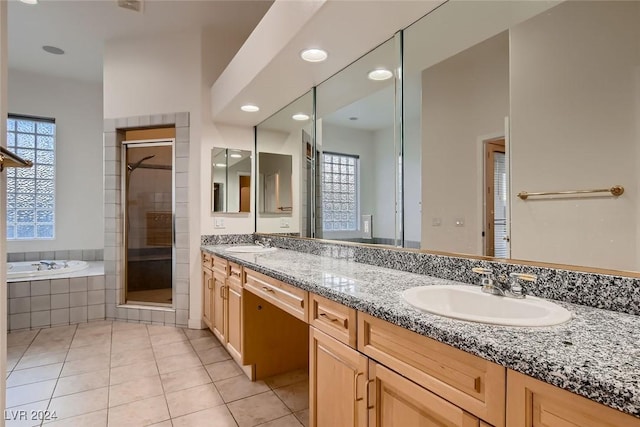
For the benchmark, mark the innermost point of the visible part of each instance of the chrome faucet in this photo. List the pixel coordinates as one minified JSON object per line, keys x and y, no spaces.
{"x":264,"y":242}
{"x":488,"y":281}
{"x":50,"y":264}
{"x":502,"y":286}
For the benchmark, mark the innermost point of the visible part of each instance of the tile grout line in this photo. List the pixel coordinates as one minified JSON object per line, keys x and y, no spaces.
{"x":60,"y":373}
{"x":212,"y":381}
{"x":164,"y":394}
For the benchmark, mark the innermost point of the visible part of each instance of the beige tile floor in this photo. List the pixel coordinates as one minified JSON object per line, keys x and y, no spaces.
{"x":128,"y":374}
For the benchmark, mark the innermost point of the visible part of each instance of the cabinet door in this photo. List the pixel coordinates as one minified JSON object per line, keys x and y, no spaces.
{"x":219,"y":310}
{"x":234,"y":321}
{"x":337,"y":375}
{"x":396,"y":401}
{"x":533,"y":403}
{"x":207,"y":294}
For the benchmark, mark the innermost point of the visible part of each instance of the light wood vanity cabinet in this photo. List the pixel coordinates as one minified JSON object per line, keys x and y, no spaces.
{"x":364,"y":371}
{"x":337,"y":383}
{"x":292,"y":300}
{"x":468,"y":381}
{"x":207,"y":290}
{"x":222,"y":301}
{"x":333,"y":319}
{"x":396,"y":401}
{"x":533,"y":403}
{"x":219,"y":309}
{"x":233,"y":302}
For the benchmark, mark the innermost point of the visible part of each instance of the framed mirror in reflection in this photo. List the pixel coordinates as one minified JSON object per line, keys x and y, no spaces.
{"x":230,"y":180}
{"x":285,"y":168}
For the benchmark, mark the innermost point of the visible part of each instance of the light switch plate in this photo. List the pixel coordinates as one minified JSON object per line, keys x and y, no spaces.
{"x":285,"y":222}
{"x":367,"y":226}
{"x":218,"y":222}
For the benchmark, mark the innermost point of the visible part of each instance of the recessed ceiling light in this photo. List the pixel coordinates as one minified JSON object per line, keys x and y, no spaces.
{"x":220,"y":165}
{"x":380,"y":74}
{"x":236,"y":156}
{"x":300,"y":117}
{"x":29,"y":1}
{"x":314,"y":55}
{"x":249,"y":108}
{"x":53,"y":50}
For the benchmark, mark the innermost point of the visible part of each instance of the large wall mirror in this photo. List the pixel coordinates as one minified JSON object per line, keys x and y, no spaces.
{"x":230,"y":180}
{"x":285,"y":167}
{"x":503,"y":98}
{"x":358,"y":145}
{"x":499,"y":99}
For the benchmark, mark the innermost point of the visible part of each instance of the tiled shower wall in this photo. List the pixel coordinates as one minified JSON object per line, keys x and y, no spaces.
{"x":114,"y":214}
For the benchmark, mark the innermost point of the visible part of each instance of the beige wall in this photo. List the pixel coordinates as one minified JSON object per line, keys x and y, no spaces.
{"x":464,"y":99}
{"x":574,"y":125}
{"x":77,"y":107}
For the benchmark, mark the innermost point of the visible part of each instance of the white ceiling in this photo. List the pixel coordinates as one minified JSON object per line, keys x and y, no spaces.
{"x":81,"y":27}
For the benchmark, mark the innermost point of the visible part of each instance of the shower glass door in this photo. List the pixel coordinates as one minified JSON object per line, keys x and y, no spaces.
{"x":149,"y":254}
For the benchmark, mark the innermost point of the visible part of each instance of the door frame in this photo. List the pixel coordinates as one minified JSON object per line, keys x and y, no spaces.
{"x":481,"y":140}
{"x":494,"y":146}
{"x":123,"y":200}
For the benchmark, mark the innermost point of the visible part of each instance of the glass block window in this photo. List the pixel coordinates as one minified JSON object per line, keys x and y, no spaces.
{"x":339,"y":192}
{"x":31,"y":191}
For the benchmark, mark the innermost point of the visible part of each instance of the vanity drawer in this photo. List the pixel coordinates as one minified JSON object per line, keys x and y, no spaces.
{"x":463,"y":379}
{"x":286,"y":297}
{"x":333,"y":319}
{"x":235,"y":274}
{"x":207,"y":260}
{"x":220,"y":268}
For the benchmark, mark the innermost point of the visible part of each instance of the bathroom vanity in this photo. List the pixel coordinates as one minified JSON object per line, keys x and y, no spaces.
{"x":374,"y":360}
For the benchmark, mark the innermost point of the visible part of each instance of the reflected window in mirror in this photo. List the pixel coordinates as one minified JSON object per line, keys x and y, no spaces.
{"x":357,"y":124}
{"x":230,"y":180}
{"x":339,"y":192}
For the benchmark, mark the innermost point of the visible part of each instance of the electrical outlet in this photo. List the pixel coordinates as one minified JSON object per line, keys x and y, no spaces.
{"x":285,"y":223}
{"x":218,"y":222}
{"x":436,"y":222}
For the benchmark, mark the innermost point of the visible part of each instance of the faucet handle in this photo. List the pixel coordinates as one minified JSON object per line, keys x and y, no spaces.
{"x":515,"y":289}
{"x":482,"y":270}
{"x":487,"y":279}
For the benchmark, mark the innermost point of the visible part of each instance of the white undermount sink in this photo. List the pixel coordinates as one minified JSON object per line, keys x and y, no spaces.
{"x":250,"y":249}
{"x":470,"y":303}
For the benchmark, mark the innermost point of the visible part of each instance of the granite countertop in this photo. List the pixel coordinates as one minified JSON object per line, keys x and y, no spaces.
{"x":596,"y":354}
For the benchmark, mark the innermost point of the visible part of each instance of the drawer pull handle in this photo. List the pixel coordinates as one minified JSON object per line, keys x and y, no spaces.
{"x":368,"y":394}
{"x":355,"y":386}
{"x":264,"y":288}
{"x":209,"y":285}
{"x":344,"y":322}
{"x":235,"y":273}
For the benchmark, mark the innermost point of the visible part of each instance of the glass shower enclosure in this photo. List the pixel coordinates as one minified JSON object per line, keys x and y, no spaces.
{"x":149,"y":229}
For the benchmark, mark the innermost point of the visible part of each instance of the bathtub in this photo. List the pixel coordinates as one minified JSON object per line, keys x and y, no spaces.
{"x":30,"y":269}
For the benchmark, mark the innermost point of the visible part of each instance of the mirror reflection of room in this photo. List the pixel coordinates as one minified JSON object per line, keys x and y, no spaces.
{"x":285,"y":167}
{"x":357,"y":138}
{"x":498,"y":81}
{"x":230,"y":180}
